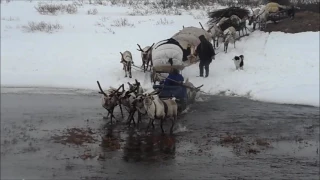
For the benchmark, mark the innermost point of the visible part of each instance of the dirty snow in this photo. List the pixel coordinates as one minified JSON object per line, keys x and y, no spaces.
{"x":279,"y":67}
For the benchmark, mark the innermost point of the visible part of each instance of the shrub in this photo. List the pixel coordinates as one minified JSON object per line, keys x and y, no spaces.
{"x":55,"y":8}
{"x":201,"y":15}
{"x":122,"y":22}
{"x":93,"y":11}
{"x":10,"y":18}
{"x":42,"y":27}
{"x":164,"y":21}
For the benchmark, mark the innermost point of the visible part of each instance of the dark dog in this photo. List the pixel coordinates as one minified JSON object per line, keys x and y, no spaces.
{"x":238,"y":62}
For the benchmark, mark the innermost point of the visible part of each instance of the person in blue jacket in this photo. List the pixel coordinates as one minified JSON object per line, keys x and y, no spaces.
{"x":178,"y":79}
{"x":175,"y":76}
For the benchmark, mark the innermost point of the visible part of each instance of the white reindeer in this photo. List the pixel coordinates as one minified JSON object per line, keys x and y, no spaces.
{"x":215,"y":32}
{"x":146,"y":56}
{"x":254,"y":19}
{"x":191,"y":92}
{"x":160,"y":109}
{"x":229,"y":34}
{"x":126,"y":60}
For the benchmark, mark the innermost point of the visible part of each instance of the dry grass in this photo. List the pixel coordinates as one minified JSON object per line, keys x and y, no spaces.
{"x":53,"y":9}
{"x":10,"y":18}
{"x":122,"y":22}
{"x":164,"y":21}
{"x":93,"y":11}
{"x":42,"y":27}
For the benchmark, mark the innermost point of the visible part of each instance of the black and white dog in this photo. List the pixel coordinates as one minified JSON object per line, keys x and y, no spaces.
{"x":238,"y":62}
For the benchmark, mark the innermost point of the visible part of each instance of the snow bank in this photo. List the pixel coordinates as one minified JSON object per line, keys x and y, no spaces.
{"x":279,"y":67}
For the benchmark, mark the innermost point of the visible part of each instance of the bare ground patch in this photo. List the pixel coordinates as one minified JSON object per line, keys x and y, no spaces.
{"x":303,"y":21}
{"x":76,"y":136}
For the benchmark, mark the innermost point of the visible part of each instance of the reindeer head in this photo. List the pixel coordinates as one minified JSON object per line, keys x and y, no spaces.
{"x":136,"y":87}
{"x":109,"y":101}
{"x":145,"y":51}
{"x":122,"y":59}
{"x":148,"y":98}
{"x":138,"y":103}
{"x":111,"y":98}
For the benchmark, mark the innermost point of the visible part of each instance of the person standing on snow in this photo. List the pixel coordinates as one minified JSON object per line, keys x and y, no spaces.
{"x":206,"y":53}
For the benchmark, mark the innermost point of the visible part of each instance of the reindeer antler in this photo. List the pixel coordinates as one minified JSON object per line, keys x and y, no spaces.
{"x":137,"y":82}
{"x":150,"y":47}
{"x":201,"y":25}
{"x":140,"y":49}
{"x":261,"y":13}
{"x":210,"y":28}
{"x":101,"y":91}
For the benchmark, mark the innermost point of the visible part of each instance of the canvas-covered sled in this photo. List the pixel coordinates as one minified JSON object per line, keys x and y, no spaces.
{"x":177,"y":51}
{"x":168,"y":54}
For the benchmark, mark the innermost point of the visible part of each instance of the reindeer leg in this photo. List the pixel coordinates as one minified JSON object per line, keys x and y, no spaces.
{"x":139,"y":117}
{"x":151,"y":64}
{"x":129,"y":119}
{"x":152,"y":124}
{"x":129,"y":68}
{"x":147,"y":65}
{"x":108,"y":114}
{"x":161,"y":125}
{"x":111,"y":112}
{"x":150,"y":120}
{"x":172,"y":121}
{"x":132,"y":118}
{"x":121,"y":110}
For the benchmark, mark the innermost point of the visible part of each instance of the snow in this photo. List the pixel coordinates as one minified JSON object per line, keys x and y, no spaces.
{"x":278,"y":67}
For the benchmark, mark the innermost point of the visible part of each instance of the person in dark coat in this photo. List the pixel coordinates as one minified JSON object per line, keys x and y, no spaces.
{"x":206,"y":53}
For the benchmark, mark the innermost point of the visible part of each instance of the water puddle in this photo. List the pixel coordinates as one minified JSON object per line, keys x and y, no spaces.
{"x":296,"y":149}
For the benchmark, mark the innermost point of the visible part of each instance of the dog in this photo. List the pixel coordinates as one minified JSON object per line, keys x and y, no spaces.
{"x":238,"y":62}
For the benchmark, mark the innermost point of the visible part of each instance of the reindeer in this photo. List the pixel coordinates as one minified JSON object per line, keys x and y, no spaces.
{"x":239,"y":24}
{"x":110,"y":99}
{"x":191,"y":91}
{"x":146,"y":57}
{"x":126,"y":60}
{"x":128,"y":100}
{"x":254,"y":18}
{"x":230,"y":34}
{"x":160,"y":109}
{"x":215,"y":32}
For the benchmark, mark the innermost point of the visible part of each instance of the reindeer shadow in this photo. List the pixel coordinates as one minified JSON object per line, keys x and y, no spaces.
{"x":152,"y":147}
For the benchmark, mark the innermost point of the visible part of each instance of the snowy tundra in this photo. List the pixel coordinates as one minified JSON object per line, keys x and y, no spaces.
{"x":85,"y":46}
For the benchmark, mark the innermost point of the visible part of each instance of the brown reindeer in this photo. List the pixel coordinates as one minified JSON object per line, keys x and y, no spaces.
{"x":111,"y":99}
